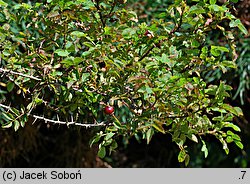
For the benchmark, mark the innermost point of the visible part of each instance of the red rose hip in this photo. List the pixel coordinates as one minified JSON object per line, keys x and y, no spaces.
{"x":109,"y":110}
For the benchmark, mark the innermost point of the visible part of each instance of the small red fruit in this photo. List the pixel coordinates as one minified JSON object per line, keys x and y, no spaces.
{"x":109,"y":110}
{"x":149,"y":34}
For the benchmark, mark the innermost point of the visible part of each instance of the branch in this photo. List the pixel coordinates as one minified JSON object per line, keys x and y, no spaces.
{"x":72,"y":122}
{"x":5,"y":107}
{"x":212,"y":132}
{"x":147,"y":53}
{"x":20,"y":74}
{"x":67,"y":123}
{"x":180,"y":22}
{"x":177,"y":27}
{"x":100,"y":13}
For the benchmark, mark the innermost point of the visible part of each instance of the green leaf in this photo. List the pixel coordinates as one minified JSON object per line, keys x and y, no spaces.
{"x":218,"y":118}
{"x":2,"y":3}
{"x":196,"y":9}
{"x":68,"y":61}
{"x":158,"y":126}
{"x":30,"y":105}
{"x":117,"y":123}
{"x":231,"y":125}
{"x":95,"y":139}
{"x":86,"y":53}
{"x":78,"y":34}
{"x":195,"y":43}
{"x":85,"y":76}
{"x":164,"y":58}
{"x":38,"y":101}
{"x":113,"y":146}
{"x":211,"y":90}
{"x":107,"y":142}
{"x":230,"y":133}
{"x":229,"y":64}
{"x":228,"y":108}
{"x":239,"y":111}
{"x":233,"y":135}
{"x":229,"y":139}
{"x":8,"y":125}
{"x":24,"y":120}
{"x":128,"y":32}
{"x":236,"y":137}
{"x":204,"y":52}
{"x":89,"y":44}
{"x":62,"y":52}
{"x":102,"y":152}
{"x":224,"y":144}
{"x":15,"y":111}
{"x":194,"y":138}
{"x":230,"y":16}
{"x":150,"y":134}
{"x":73,"y":107}
{"x":182,"y":155}
{"x":217,"y":50}
{"x":239,"y":144}
{"x":2,"y":92}
{"x":237,"y":23}
{"x":204,"y":149}
{"x":236,"y":111}
{"x":212,"y":1}
{"x":87,"y":4}
{"x":10,"y":86}
{"x":176,"y":134}
{"x":109,"y":136}
{"x":187,"y":159}
{"x":77,"y":60}
{"x":53,"y":14}
{"x":16,"y":125}
{"x":8,"y":116}
{"x":226,"y":150}
{"x":181,"y":140}
{"x":217,"y":8}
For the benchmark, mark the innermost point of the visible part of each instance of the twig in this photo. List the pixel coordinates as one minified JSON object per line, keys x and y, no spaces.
{"x":180,"y":22}
{"x":146,"y":53}
{"x":69,"y":123}
{"x":171,"y":32}
{"x":20,"y":74}
{"x":46,"y":120}
{"x":212,"y":132}
{"x":100,"y":13}
{"x":5,"y":107}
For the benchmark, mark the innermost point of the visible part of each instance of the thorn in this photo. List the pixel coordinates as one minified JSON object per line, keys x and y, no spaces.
{"x":34,"y":121}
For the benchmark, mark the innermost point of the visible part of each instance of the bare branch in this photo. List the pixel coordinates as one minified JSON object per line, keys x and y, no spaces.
{"x":5,"y":107}
{"x":46,"y":120}
{"x":68,"y":123}
{"x":18,"y":73}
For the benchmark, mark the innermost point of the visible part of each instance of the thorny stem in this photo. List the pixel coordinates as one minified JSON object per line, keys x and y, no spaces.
{"x":72,"y":122}
{"x":18,"y":73}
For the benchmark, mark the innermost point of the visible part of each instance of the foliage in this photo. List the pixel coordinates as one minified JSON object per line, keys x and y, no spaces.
{"x":241,"y":85}
{"x":64,"y":61}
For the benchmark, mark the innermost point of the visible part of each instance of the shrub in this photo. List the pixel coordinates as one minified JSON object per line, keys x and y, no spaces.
{"x":63,"y":62}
